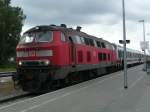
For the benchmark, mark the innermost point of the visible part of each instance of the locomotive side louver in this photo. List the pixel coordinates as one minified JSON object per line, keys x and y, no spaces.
{"x":44,"y":53}
{"x":38,"y":53}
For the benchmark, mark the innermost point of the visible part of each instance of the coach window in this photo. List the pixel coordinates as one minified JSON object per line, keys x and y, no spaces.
{"x":127,"y":54}
{"x":132,"y":55}
{"x":63,"y":39}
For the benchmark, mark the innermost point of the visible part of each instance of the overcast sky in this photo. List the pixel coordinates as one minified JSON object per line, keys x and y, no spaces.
{"x":101,"y":18}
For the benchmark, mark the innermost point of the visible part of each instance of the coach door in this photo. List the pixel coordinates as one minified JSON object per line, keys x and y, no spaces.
{"x":72,"y":51}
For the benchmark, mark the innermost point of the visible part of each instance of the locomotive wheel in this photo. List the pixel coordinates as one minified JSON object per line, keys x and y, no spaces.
{"x":47,"y":86}
{"x":32,"y":86}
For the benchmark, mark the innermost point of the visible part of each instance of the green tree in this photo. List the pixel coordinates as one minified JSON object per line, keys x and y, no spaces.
{"x":11,"y":22}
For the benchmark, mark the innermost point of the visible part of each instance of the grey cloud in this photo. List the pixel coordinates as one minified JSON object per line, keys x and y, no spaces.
{"x":81,"y":12}
{"x":71,"y":12}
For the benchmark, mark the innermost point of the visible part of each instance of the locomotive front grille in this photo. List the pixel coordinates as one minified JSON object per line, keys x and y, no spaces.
{"x":34,"y":63}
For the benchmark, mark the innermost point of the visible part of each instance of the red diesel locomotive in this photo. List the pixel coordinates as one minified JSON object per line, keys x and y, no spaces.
{"x":48,"y":55}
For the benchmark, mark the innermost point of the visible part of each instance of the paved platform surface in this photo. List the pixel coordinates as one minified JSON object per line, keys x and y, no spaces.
{"x":104,"y":94}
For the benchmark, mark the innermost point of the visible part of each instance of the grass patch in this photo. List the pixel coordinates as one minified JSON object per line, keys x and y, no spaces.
{"x":7,"y":68}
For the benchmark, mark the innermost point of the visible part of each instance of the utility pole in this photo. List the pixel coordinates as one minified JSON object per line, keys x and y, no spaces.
{"x":143,"y":22}
{"x":124,"y":43}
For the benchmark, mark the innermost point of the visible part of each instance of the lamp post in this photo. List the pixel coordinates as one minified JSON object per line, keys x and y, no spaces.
{"x":124,"y":43}
{"x":143,"y":22}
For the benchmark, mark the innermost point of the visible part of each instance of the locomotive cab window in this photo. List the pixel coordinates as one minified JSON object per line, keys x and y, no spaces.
{"x":27,"y":38}
{"x":42,"y":36}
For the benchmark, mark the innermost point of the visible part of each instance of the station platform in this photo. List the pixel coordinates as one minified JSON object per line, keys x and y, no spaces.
{"x":104,"y":94}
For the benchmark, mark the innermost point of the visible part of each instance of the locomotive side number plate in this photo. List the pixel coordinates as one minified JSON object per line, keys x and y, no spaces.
{"x":31,"y":53}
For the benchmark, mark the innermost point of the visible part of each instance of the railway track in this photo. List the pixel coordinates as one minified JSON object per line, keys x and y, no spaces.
{"x":7,"y":74}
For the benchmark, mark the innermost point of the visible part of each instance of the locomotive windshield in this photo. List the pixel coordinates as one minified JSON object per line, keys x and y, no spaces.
{"x":43,"y":36}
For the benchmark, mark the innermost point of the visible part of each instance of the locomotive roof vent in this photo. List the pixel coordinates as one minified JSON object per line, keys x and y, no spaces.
{"x":71,"y":28}
{"x":63,"y":25}
{"x":78,"y":28}
{"x":52,"y":25}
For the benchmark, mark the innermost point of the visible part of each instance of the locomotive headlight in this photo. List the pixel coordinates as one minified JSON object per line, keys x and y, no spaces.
{"x":46,"y":62}
{"x":20,"y":63}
